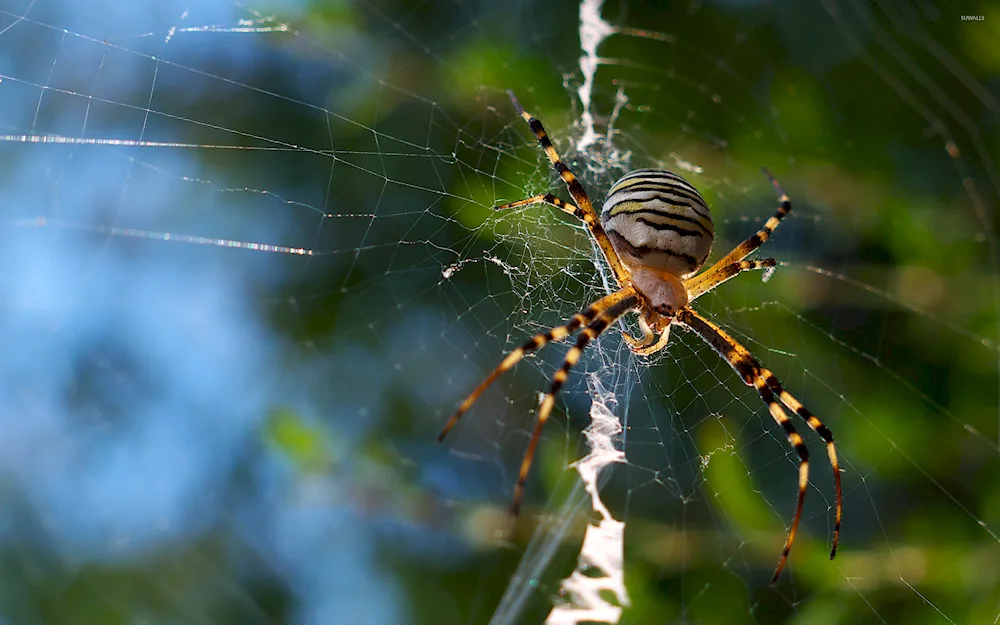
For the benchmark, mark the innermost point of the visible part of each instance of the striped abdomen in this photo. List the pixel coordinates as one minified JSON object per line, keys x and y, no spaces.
{"x":657,"y":219}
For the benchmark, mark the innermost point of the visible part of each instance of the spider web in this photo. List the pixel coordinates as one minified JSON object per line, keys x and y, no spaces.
{"x":250,"y":268}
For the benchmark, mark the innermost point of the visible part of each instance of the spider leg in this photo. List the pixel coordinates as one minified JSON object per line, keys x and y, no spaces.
{"x":545,"y":198}
{"x":534,"y":343}
{"x":824,"y":432}
{"x":805,"y":414}
{"x":700,"y":287}
{"x":755,"y":240}
{"x":753,"y":374}
{"x":592,"y":331}
{"x":585,"y":209}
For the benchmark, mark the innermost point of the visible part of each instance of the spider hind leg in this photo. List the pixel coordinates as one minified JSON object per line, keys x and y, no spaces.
{"x":750,"y":245}
{"x":584,"y":209}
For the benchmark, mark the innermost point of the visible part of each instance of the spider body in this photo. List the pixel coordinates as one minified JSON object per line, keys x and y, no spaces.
{"x":661,"y":228}
{"x":657,"y":219}
{"x":655,"y":232}
{"x":663,"y":292}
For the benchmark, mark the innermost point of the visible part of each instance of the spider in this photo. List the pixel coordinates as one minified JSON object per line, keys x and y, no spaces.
{"x":655,"y":232}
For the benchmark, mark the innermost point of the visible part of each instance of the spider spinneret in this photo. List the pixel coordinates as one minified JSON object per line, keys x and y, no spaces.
{"x":655,"y":232}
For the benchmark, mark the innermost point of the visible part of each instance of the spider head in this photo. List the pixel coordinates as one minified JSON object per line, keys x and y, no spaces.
{"x":664,"y":292}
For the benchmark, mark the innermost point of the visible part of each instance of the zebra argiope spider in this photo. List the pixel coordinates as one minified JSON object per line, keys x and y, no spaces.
{"x":655,"y":231}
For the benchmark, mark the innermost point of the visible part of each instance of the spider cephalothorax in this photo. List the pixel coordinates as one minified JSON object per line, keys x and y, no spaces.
{"x":662,"y":292}
{"x":655,"y":232}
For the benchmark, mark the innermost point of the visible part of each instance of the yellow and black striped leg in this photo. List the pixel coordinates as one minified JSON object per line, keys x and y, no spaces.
{"x":709,"y":280}
{"x":534,"y":343}
{"x":758,"y":238}
{"x":749,"y":369}
{"x":795,"y":440}
{"x":585,"y":209}
{"x":592,"y":331}
{"x":545,"y":198}
{"x":824,"y":432}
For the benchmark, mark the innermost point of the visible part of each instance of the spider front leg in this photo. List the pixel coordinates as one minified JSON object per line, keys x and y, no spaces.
{"x":535,"y":343}
{"x":592,"y":331}
{"x":824,"y":432}
{"x":754,"y":374}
